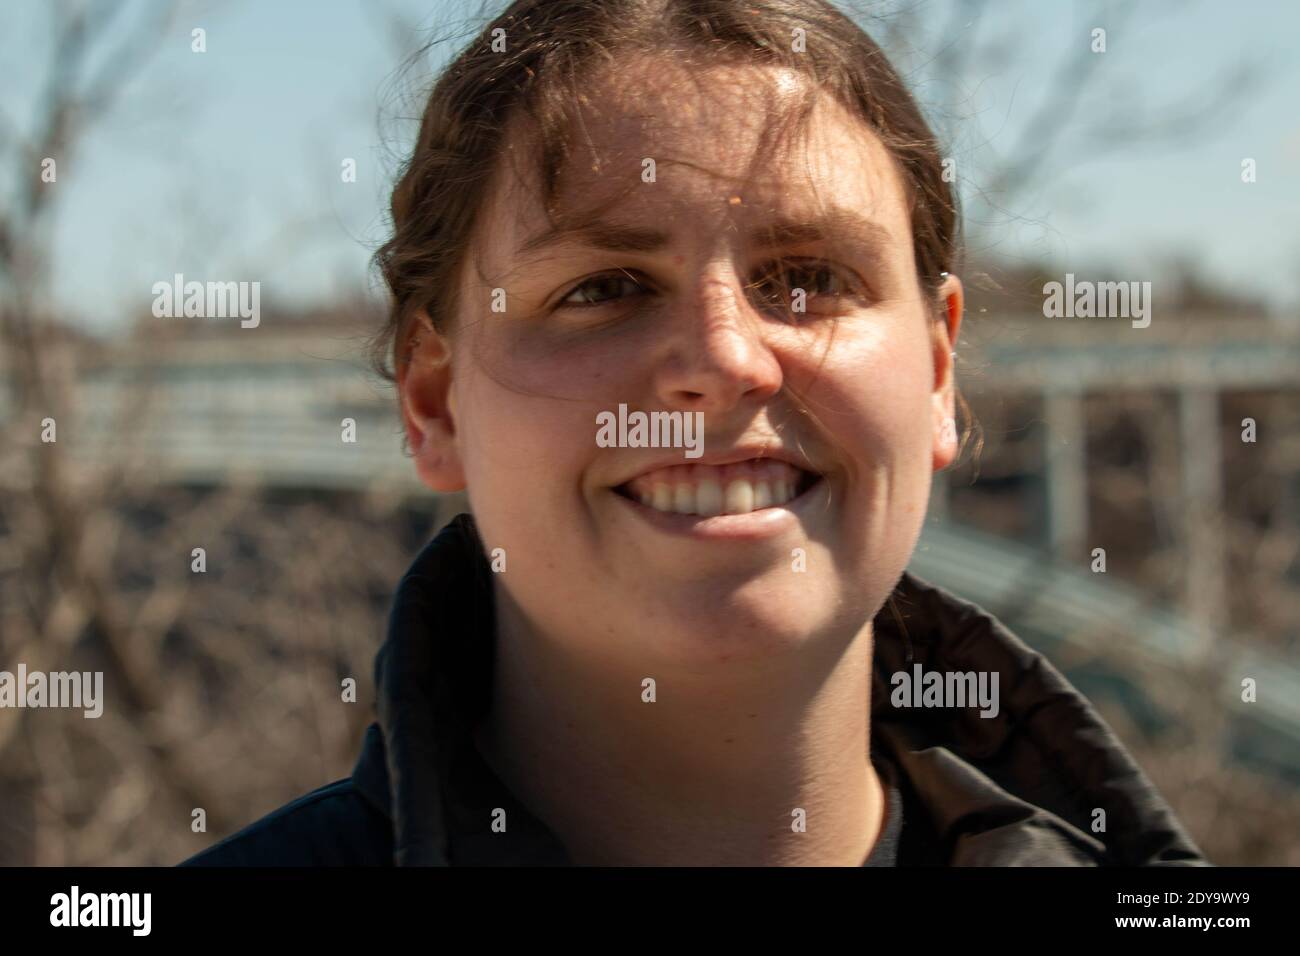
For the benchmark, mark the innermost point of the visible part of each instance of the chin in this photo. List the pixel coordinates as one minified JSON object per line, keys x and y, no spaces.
{"x":772,"y":615}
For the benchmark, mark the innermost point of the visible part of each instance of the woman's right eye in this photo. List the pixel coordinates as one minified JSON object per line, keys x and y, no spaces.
{"x":600,"y":289}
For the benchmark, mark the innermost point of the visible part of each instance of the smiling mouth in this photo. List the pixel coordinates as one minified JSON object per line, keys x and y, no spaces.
{"x":711,"y":490}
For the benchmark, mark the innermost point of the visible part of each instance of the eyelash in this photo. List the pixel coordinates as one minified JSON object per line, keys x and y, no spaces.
{"x":622,"y":274}
{"x":853,"y":286}
{"x":784,"y":297}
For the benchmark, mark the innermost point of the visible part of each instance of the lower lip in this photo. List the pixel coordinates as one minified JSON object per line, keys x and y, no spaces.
{"x":754,"y":526}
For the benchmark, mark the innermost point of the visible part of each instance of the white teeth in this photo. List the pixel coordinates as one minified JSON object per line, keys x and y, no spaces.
{"x":736,"y":488}
{"x":706,"y":496}
{"x":663,"y":498}
{"x":739,"y":498}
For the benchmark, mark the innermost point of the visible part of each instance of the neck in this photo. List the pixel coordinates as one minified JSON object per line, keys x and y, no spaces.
{"x":714,"y":772}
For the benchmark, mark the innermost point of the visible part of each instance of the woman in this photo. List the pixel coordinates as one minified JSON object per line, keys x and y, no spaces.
{"x":695,"y":642}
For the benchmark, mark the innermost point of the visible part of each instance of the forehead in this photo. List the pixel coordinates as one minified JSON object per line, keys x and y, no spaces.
{"x":724,"y":150}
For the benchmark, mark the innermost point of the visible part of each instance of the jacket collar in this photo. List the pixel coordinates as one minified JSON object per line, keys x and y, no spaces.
{"x":1044,"y":782}
{"x":1021,"y":788}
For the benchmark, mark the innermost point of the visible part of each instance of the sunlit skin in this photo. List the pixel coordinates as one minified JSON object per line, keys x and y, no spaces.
{"x":762,"y":672}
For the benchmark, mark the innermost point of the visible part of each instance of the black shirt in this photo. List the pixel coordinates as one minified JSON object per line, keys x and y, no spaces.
{"x":1020,"y":789}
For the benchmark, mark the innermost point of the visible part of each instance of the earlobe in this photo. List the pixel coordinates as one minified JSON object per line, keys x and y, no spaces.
{"x":945,"y":440}
{"x":424,"y":384}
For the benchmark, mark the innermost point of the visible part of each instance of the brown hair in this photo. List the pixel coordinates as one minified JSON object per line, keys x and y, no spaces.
{"x":550,"y":48}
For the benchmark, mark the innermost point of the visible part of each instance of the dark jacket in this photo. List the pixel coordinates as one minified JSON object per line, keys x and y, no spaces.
{"x":1017,"y":789}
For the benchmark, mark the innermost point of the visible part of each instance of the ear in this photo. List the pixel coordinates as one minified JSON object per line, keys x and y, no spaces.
{"x":945,"y":329}
{"x":428,"y":406}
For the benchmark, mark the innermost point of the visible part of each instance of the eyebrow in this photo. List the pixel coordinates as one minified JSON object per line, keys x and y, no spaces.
{"x":837,"y":223}
{"x":600,"y":235}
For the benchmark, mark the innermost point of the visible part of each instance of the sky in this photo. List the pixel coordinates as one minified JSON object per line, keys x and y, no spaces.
{"x":227,"y":163}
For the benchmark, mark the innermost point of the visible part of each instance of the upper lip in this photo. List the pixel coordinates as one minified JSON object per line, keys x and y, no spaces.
{"x":728,"y":457}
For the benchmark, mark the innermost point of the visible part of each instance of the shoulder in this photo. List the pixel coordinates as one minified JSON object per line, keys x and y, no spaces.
{"x":331,"y":826}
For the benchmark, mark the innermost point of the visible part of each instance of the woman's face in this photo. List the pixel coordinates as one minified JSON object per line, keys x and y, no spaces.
{"x":672,"y":301}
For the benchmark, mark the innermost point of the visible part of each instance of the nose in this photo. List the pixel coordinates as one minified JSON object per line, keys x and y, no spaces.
{"x":717,"y":356}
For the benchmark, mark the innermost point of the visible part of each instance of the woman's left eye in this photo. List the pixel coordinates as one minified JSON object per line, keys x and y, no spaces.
{"x":790,"y":284}
{"x":600,"y":289}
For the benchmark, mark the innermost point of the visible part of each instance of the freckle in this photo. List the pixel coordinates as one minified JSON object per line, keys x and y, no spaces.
{"x":731,"y":740}
{"x":679,"y":259}
{"x":753,"y":715}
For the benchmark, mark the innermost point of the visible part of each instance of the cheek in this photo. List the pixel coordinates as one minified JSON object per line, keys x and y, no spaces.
{"x":528,"y":438}
{"x":513,"y":444}
{"x":527,"y":434}
{"x":535,"y":395}
{"x":873,"y":392}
